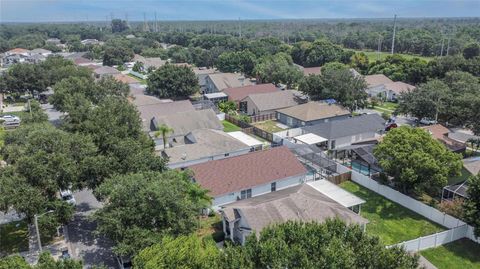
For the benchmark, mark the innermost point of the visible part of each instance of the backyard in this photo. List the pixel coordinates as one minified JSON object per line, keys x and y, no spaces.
{"x":13,"y":237}
{"x":460,"y":254}
{"x":392,"y":222}
{"x":211,"y":226}
{"x":268,"y":126}
{"x":230,"y":127}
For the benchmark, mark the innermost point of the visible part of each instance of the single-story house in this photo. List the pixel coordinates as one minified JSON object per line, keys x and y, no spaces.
{"x":460,"y":190}
{"x":183,"y":123}
{"x":441,"y":133}
{"x":389,"y":90}
{"x":250,"y":141}
{"x":218,"y":82}
{"x":311,"y":113}
{"x":376,"y":80}
{"x":202,"y":145}
{"x":239,"y":93}
{"x":312,"y":70}
{"x":216,"y":97}
{"x":299,"y":203}
{"x":149,"y":62}
{"x":91,"y":41}
{"x":151,"y":107}
{"x":126,"y":79}
{"x":249,"y":175}
{"x":104,"y":71}
{"x":345,"y":132}
{"x":268,"y":103}
{"x":42,"y":52}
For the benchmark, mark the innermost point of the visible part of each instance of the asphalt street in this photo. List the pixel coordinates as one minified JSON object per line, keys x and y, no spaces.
{"x":93,"y":250}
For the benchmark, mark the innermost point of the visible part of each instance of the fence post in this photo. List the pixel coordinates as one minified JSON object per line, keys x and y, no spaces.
{"x":435,"y":244}
{"x":419,"y":243}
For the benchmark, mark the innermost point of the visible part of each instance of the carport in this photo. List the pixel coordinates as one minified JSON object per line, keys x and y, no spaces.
{"x":338,"y":194}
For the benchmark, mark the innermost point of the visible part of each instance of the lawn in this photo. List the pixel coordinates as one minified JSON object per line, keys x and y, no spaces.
{"x":373,"y":56}
{"x":464,"y":175}
{"x":269,"y":126}
{"x":392,"y":222}
{"x":211,"y":226}
{"x":141,"y":80}
{"x":12,"y":238}
{"x":387,"y":106}
{"x":460,"y":254}
{"x":230,"y":127}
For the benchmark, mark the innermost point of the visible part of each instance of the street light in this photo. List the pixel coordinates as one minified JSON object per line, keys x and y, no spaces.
{"x":35,"y":217}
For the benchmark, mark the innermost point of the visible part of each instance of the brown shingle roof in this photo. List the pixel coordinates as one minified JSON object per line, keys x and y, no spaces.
{"x":375,"y":80}
{"x":246,"y":171}
{"x":237,"y":94}
{"x":125,"y":79}
{"x":314,"y":111}
{"x":312,"y":70}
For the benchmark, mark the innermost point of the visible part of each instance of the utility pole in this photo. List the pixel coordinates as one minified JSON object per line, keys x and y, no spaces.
{"x":35,"y":218}
{"x":126,"y":20}
{"x":239,"y":28}
{"x":448,"y":45}
{"x":145,"y":25}
{"x":379,"y":49}
{"x":394,"y":29}
{"x":156,"y":25}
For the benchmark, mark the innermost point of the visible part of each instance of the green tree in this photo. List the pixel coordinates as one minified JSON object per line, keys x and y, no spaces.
{"x":471,"y":206}
{"x":237,"y":61}
{"x":359,"y":60}
{"x":227,"y":107}
{"x":287,"y":245}
{"x":471,"y":50}
{"x":138,"y":67}
{"x":25,"y":78}
{"x":45,"y":261}
{"x":117,"y":54}
{"x":337,"y":82}
{"x":416,"y":161}
{"x":163,"y":131}
{"x":35,"y":113}
{"x":172,"y":81}
{"x":119,"y":26}
{"x":277,"y":69}
{"x":173,"y":200}
{"x":181,"y":252}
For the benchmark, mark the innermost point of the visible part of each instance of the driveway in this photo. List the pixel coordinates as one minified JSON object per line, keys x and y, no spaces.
{"x":93,"y":250}
{"x":53,"y":114}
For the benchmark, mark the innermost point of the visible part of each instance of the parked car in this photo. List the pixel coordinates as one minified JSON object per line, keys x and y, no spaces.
{"x":65,"y":254}
{"x":67,"y":196}
{"x":428,"y":121}
{"x":10,"y":120}
{"x":124,"y":263}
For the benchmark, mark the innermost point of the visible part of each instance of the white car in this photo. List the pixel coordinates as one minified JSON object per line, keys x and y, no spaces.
{"x":67,"y":196}
{"x":428,"y":121}
{"x":10,"y":120}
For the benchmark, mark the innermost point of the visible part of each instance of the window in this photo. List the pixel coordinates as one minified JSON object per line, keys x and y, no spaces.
{"x":227,"y":154}
{"x":332,"y":144}
{"x":273,"y":186}
{"x":245,"y":194}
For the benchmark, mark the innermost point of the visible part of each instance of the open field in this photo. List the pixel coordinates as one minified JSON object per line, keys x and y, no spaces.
{"x":392,"y":222}
{"x":460,"y":254}
{"x":373,"y":56}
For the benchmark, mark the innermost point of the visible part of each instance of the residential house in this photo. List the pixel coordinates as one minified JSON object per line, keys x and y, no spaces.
{"x":216,"y":97}
{"x":149,"y":62}
{"x":183,"y":123}
{"x":81,"y":61}
{"x":441,"y":133}
{"x":299,"y":203}
{"x":151,"y":107}
{"x":202,"y":145}
{"x":311,"y":113}
{"x":126,"y":79}
{"x":312,"y":70}
{"x":13,"y":56}
{"x":54,"y":41}
{"x":42,"y":52}
{"x":460,"y":189}
{"x":239,"y":93}
{"x":268,"y":103}
{"x":345,"y":132}
{"x":104,"y":71}
{"x":91,"y":41}
{"x":249,"y":175}
{"x":218,"y":82}
{"x":250,"y":141}
{"x":202,"y":74}
{"x":381,"y":86}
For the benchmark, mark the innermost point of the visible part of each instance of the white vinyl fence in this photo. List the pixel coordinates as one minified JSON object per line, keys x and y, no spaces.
{"x":435,"y":240}
{"x":458,"y":228}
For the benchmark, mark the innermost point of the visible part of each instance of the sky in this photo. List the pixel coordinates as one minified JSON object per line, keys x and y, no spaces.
{"x":98,"y":10}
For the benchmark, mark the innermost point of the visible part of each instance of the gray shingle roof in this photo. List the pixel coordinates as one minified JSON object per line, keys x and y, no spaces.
{"x":347,"y":127}
{"x":229,"y":80}
{"x":184,"y":122}
{"x":314,"y":111}
{"x":150,"y":107}
{"x":301,"y":203}
{"x":275,"y":100}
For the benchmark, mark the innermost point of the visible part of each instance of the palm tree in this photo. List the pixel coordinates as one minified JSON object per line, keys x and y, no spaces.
{"x":163,"y":131}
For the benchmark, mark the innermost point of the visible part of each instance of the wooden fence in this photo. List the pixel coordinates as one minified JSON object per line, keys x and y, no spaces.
{"x":257,"y":118}
{"x":250,"y":129}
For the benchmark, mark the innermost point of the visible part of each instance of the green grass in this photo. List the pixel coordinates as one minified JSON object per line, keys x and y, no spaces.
{"x":13,"y":239}
{"x":392,"y":222}
{"x":211,"y":226}
{"x":387,"y":106}
{"x":460,"y":254}
{"x":230,"y":127}
{"x":464,"y":175}
{"x":373,"y":56}
{"x":269,"y":126}
{"x":142,"y":81}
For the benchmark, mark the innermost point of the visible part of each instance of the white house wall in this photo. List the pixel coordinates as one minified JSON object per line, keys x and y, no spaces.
{"x":349,"y":140}
{"x":258,"y":190}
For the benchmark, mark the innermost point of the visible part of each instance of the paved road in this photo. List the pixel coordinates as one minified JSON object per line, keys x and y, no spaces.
{"x":400,"y":120}
{"x":53,"y":114}
{"x":84,"y":244}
